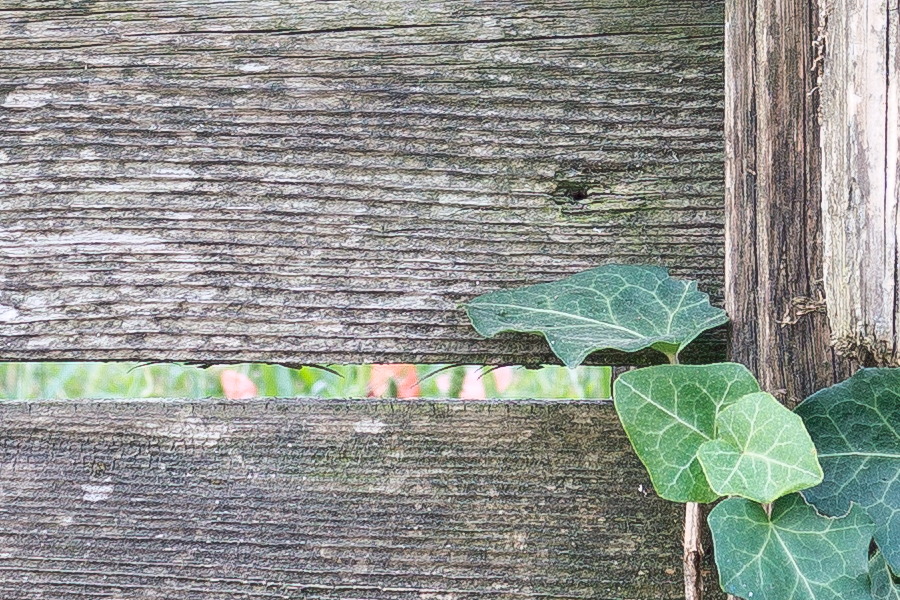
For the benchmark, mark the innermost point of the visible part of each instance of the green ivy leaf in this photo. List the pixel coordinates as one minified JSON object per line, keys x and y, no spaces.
{"x":796,"y":554}
{"x":622,"y":307}
{"x":856,"y":428}
{"x":761,"y":451}
{"x":669,"y":411}
{"x":884,"y":583}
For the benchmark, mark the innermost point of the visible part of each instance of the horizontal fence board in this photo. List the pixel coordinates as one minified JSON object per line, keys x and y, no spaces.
{"x":328,"y":499}
{"x":326,"y":181}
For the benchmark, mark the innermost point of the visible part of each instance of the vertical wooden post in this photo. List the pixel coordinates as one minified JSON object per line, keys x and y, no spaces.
{"x":861,"y":178}
{"x":774,"y":291}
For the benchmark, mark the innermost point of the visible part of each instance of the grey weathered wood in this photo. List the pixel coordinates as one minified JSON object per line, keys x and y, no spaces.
{"x":773,"y":232}
{"x":326,"y":181}
{"x":861,"y":177}
{"x":288,"y":499}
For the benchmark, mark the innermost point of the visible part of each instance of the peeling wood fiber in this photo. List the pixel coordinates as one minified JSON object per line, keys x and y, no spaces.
{"x":331,"y":500}
{"x":326,"y":181}
{"x":861,"y":177}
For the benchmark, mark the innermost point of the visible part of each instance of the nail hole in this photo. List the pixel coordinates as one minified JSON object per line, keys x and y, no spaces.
{"x":578,"y":194}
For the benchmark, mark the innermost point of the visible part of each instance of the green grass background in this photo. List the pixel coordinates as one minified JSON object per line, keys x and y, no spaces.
{"x":27,"y":381}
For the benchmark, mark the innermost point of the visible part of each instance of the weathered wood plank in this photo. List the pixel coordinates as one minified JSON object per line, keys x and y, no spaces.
{"x":773,"y":232}
{"x":326,"y":181}
{"x":328,"y":499}
{"x":861,"y":178}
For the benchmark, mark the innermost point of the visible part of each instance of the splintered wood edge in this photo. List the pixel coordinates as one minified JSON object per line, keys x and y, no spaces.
{"x":859,"y":88}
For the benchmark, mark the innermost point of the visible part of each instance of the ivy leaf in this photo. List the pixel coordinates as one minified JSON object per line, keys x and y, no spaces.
{"x":856,"y":428}
{"x":669,"y":411}
{"x":762,"y":451}
{"x":622,"y":307}
{"x":884,"y":583}
{"x":796,"y":554}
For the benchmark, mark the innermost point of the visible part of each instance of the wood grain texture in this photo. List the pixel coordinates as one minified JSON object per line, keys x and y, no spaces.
{"x":773,"y":234}
{"x":290,"y":499}
{"x":861,"y":177}
{"x":292,"y":181}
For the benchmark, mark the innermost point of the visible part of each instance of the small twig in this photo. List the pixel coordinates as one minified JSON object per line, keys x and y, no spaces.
{"x":488,"y":369}
{"x":693,"y":548}
{"x":693,"y":551}
{"x":431,"y":374}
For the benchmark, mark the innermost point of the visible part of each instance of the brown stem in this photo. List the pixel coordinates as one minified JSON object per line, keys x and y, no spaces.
{"x":693,"y":551}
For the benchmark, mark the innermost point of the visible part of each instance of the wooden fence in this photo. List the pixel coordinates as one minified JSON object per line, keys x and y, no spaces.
{"x":306,"y":182}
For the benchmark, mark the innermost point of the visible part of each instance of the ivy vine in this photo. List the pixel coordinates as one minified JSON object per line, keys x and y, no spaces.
{"x":813,"y":496}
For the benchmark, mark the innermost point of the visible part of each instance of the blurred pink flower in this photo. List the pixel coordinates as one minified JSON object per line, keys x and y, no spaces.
{"x":237,"y":386}
{"x":405,"y":378}
{"x":503,"y":378}
{"x":473,"y":386}
{"x":444,"y":382}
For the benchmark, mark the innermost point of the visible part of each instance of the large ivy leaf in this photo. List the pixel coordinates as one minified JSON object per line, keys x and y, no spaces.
{"x":622,"y":307}
{"x":761,"y":451}
{"x":856,"y":428}
{"x":796,"y":554}
{"x":884,"y":584}
{"x":669,"y":411}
